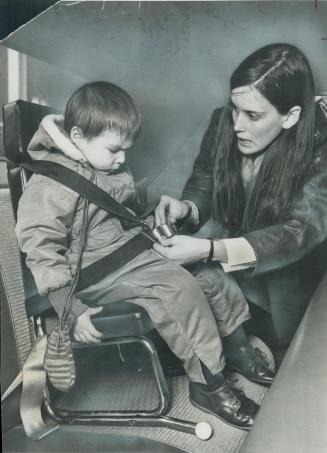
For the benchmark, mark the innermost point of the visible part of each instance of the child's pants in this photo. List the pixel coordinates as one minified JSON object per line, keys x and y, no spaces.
{"x":189,"y":322}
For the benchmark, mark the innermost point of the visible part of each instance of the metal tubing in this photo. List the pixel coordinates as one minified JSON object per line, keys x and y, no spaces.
{"x":152,"y":418}
{"x":163,"y":391}
{"x":98,"y":418}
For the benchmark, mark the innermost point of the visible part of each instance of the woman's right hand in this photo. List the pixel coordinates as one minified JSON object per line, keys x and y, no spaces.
{"x":170,"y":210}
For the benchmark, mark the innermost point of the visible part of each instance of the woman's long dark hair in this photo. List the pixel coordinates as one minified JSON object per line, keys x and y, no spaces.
{"x":282,"y":74}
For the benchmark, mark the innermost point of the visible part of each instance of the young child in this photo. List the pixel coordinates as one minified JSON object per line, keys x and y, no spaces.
{"x":99,"y":128}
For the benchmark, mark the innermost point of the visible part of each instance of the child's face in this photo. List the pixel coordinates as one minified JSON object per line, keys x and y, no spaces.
{"x":104,"y":152}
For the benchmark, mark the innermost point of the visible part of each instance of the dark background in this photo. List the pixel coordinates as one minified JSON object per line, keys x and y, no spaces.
{"x":14,"y":13}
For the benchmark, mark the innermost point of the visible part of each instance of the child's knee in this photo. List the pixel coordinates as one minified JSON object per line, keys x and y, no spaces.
{"x":210,"y":277}
{"x":182,"y":280}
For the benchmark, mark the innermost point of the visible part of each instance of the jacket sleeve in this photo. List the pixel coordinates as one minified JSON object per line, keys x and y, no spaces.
{"x":280,"y":245}
{"x":199,"y":187}
{"x":45,"y":214}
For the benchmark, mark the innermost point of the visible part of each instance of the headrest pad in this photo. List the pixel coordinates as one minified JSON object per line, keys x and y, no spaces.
{"x":21,"y":120}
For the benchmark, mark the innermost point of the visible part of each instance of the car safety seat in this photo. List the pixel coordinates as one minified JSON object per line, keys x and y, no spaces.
{"x":121,"y":322}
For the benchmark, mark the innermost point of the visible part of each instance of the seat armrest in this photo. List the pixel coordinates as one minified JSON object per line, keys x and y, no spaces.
{"x":118,"y":319}
{"x":122,"y":319}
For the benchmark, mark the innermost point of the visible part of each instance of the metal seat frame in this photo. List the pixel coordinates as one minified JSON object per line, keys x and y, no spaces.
{"x":153,"y":418}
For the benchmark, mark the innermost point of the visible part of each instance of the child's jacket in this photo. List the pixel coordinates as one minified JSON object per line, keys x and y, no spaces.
{"x":49,"y":216}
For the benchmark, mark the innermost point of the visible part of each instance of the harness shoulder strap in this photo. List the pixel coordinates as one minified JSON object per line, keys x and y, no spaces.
{"x":83,"y":187}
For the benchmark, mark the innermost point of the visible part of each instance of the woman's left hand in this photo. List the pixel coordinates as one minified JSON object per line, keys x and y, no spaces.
{"x":183,"y":249}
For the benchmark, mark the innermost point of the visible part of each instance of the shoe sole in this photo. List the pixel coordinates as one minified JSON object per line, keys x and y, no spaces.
{"x":256,"y":381}
{"x":204,"y":409}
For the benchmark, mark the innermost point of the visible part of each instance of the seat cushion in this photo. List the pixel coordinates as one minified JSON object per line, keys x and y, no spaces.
{"x":117,"y":319}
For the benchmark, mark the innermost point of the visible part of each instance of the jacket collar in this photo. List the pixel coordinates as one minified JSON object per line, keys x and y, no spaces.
{"x":51,"y":135}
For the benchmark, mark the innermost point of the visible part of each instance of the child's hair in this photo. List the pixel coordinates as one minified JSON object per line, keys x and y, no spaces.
{"x":98,"y":106}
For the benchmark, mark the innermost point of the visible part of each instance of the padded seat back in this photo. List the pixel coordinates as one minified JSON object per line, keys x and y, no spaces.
{"x":21,"y":119}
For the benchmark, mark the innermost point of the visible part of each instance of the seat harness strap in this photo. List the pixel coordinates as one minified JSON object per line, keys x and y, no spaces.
{"x":33,"y":378}
{"x":34,"y":386}
{"x":83,"y":187}
{"x":97,"y":271}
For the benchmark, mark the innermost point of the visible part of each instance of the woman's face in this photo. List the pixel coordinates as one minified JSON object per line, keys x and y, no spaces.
{"x":256,"y":121}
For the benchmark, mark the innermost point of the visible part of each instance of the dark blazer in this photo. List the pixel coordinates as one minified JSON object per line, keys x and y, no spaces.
{"x":292,"y":255}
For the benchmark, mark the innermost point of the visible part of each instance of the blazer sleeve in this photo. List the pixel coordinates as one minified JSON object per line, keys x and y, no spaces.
{"x":199,"y":187}
{"x":282,"y":244}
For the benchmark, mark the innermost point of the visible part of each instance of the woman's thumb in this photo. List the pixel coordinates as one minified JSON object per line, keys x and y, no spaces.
{"x":166,"y":242}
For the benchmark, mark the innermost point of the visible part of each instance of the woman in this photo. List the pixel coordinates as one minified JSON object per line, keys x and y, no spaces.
{"x":261,"y":175}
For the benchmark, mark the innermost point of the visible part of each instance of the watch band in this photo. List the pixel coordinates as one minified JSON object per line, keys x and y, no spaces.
{"x":211,"y":251}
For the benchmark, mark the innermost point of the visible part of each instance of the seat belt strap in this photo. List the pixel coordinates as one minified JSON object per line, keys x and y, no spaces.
{"x":92,"y":274}
{"x":83,"y":187}
{"x":33,"y":378}
{"x":12,"y":387}
{"x":34,"y":385}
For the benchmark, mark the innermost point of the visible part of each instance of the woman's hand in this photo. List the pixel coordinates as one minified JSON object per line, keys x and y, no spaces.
{"x":170,"y":210}
{"x":183,"y":249}
{"x":84,"y":330}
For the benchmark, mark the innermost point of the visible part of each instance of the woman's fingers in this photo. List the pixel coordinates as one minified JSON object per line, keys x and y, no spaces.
{"x":167,"y":242}
{"x":160,"y":212}
{"x":164,"y":251}
{"x":183,"y":249}
{"x":170,"y":209}
{"x":171,"y":219}
{"x":164,"y":248}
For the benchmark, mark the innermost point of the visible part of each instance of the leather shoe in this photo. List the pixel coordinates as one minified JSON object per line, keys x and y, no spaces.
{"x":252,"y":364}
{"x":228,"y":404}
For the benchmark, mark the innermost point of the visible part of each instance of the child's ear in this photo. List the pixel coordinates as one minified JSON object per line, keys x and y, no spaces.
{"x":76,"y":135}
{"x":292,"y":117}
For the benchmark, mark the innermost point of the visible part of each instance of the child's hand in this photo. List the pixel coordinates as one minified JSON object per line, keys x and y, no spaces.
{"x":84,"y":331}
